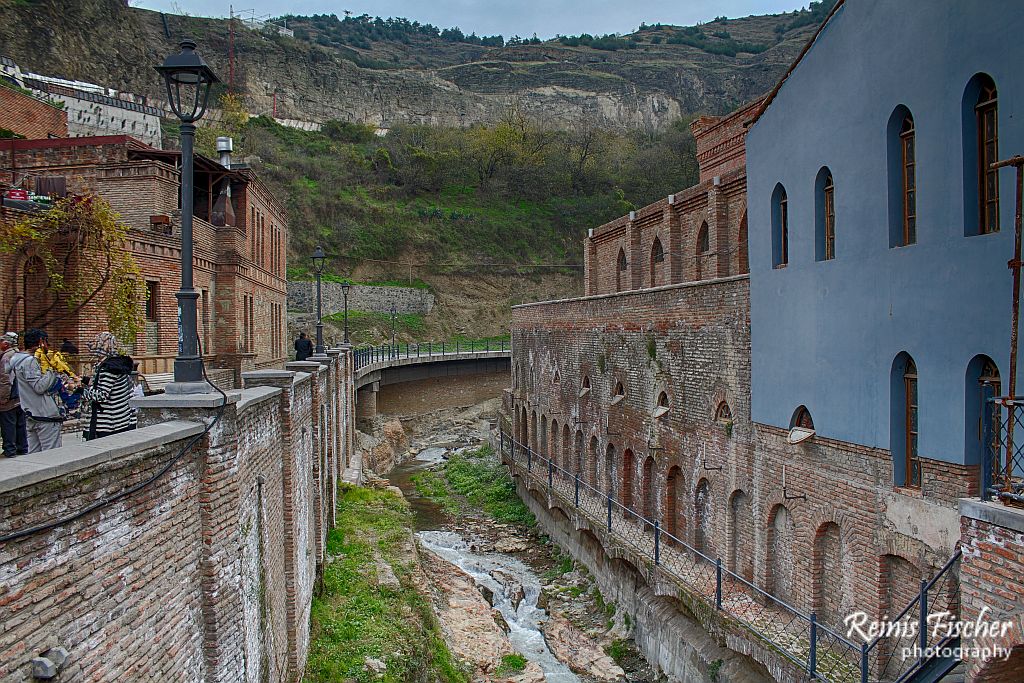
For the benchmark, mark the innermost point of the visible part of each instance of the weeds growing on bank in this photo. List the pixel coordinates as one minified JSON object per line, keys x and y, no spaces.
{"x":354,"y":618}
{"x":475,"y":480}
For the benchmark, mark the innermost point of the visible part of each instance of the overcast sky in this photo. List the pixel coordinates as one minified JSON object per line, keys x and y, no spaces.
{"x":546,"y":18}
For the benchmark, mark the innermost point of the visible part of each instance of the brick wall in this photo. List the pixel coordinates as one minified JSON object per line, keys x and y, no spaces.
{"x":718,"y":480}
{"x":992,"y":586}
{"x":30,"y":117}
{"x":207,"y":574}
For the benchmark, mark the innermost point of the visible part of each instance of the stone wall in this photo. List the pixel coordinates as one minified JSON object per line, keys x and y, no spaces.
{"x":302,"y":297}
{"x":205,"y":574}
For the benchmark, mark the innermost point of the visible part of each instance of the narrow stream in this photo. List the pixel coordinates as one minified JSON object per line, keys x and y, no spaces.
{"x":514,"y":585}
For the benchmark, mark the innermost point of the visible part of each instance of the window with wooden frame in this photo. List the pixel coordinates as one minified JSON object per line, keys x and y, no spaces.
{"x":989,"y":386}
{"x":152,"y":297}
{"x":908,"y":178}
{"x":910,"y":406}
{"x":830,"y":218}
{"x":802,"y":418}
{"x":987,"y":113}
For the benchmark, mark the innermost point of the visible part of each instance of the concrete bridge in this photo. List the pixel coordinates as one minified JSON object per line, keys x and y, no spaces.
{"x":384,"y":365}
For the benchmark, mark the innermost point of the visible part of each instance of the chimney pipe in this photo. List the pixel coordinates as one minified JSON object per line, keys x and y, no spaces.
{"x":224,"y":147}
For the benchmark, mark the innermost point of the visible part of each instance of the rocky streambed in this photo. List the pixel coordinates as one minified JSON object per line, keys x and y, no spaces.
{"x":511,"y":606}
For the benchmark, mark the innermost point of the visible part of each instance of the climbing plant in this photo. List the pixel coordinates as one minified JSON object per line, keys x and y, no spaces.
{"x":83,"y":248}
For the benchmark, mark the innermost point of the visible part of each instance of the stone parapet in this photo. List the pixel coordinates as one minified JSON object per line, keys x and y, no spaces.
{"x":375,"y":299}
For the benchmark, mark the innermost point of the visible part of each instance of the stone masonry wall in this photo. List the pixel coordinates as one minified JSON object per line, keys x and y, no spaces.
{"x":702,"y":468}
{"x":207,"y":573}
{"x":30,"y":117}
{"x":302,"y":297}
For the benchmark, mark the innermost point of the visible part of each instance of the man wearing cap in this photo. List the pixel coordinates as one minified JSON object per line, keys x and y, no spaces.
{"x":12,"y":417}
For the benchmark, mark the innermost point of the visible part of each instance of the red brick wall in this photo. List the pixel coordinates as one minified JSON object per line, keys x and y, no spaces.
{"x":692,"y":341}
{"x":992,"y":580}
{"x":32,"y":118}
{"x":720,"y":141}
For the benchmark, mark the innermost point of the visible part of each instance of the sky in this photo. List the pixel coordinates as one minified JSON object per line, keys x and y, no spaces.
{"x":546,"y":18}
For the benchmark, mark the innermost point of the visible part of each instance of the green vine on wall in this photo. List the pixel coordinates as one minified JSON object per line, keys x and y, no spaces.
{"x":83,"y":248}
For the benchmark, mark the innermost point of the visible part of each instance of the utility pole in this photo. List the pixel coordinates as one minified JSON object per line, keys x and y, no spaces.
{"x":231,"y":49}
{"x":1015,"y":266}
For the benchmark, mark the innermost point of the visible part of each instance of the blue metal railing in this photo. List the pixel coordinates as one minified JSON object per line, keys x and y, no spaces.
{"x":368,"y":355}
{"x":1002,"y":472}
{"x":818,"y":649}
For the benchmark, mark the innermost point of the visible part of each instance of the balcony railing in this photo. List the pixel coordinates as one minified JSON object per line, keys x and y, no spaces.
{"x":1002,"y":472}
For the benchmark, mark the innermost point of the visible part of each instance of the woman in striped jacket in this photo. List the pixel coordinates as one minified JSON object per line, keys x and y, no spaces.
{"x":110,"y":390}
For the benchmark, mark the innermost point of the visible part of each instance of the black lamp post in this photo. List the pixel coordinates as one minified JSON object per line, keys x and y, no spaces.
{"x":319,"y":258}
{"x":345,"y":286}
{"x":394,"y":320}
{"x":188,"y":79}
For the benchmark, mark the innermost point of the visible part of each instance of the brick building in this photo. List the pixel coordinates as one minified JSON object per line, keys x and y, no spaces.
{"x":643,"y":388}
{"x":239,"y":253}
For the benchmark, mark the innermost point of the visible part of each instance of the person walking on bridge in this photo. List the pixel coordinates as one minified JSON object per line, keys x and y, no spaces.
{"x":303,"y":347}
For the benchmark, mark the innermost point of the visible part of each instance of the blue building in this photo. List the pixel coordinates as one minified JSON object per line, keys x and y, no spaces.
{"x":879,"y":240}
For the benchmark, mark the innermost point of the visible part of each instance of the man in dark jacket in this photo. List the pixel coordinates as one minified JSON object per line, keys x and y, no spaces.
{"x":303,"y":347}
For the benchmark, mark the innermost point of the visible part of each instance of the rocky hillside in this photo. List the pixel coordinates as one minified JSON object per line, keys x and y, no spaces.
{"x":645,"y":80}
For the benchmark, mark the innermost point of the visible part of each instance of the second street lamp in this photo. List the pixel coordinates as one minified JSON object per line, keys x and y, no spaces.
{"x":319,"y":258}
{"x":345,"y":286}
{"x":394,"y":320}
{"x":188,"y":79}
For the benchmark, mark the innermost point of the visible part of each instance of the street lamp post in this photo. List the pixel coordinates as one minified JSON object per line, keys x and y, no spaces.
{"x":394,"y":320}
{"x":319,"y":258}
{"x":188,"y":79}
{"x":345,"y":286}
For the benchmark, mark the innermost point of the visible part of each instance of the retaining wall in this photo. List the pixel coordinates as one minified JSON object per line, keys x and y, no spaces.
{"x":207,"y":573}
{"x":302,"y":297}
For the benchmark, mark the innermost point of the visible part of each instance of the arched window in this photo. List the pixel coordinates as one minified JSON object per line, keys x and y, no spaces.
{"x":802,"y":418}
{"x":657,"y":258}
{"x":703,"y":249}
{"x":557,"y":378}
{"x":982,"y":383}
{"x":585,"y":386}
{"x":780,"y":227}
{"x":743,"y":261}
{"x":980,"y":116}
{"x":723,"y":413}
{"x":620,"y":270}
{"x":901,"y":147}
{"x":824,"y":216}
{"x":662,"y":406}
{"x":904,"y":422}
{"x":618,"y":393}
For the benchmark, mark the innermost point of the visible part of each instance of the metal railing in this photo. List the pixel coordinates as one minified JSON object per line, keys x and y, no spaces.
{"x":819,"y":650}
{"x":1002,"y":472}
{"x":923,"y":629}
{"x":368,"y":355}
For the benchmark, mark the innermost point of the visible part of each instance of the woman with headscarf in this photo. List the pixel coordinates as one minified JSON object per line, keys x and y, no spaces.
{"x":110,"y":389}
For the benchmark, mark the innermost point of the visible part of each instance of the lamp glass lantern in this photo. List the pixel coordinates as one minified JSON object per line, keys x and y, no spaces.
{"x":188,"y":78}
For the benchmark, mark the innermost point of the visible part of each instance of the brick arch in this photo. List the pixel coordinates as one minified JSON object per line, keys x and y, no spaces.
{"x":532,"y":445}
{"x":741,"y":534}
{"x":555,"y":452}
{"x":622,"y":270}
{"x":719,"y":394}
{"x":593,"y":455}
{"x":832,"y":594}
{"x":543,"y":440}
{"x":627,"y":475}
{"x":702,"y":517}
{"x":742,"y":250}
{"x":657,"y":263}
{"x":898,"y":584}
{"x":648,"y":488}
{"x":568,"y":462}
{"x":609,"y":468}
{"x":780,"y":537}
{"x":673,"y":517}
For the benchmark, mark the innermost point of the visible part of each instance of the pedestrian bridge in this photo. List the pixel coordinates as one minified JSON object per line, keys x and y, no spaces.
{"x":379,"y":366}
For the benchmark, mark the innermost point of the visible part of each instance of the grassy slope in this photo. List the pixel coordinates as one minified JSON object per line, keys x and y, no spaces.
{"x":355,"y":619}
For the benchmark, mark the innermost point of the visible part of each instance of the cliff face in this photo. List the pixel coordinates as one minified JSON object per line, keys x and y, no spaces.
{"x":427,"y":81}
